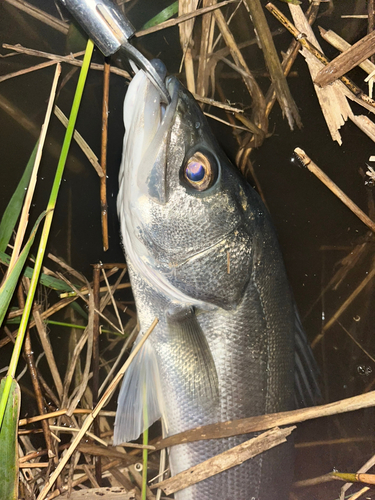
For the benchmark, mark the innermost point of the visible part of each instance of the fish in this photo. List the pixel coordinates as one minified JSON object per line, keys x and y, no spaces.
{"x":204,"y":259}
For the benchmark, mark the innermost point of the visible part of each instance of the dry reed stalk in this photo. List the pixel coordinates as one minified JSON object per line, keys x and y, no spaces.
{"x":125,"y":346}
{"x":264,"y":422}
{"x":68,"y":59}
{"x":284,"y":97}
{"x":95,"y":361}
{"x":32,"y":183}
{"x":82,"y":296}
{"x":340,"y":44}
{"x":346,"y":61}
{"x":365,"y":467}
{"x":217,"y":104}
{"x":182,"y":19}
{"x":307,"y":162}
{"x":333,"y":102}
{"x":39,"y":14}
{"x":223,"y":461}
{"x":206,"y":42}
{"x":356,"y":93}
{"x":59,"y":413}
{"x":89,"y":153}
{"x":103,"y":156}
{"x":29,"y":356}
{"x":258,"y":99}
{"x":25,"y":71}
{"x":47,"y":348}
{"x":111,"y":290}
{"x":186,"y":40}
{"x":110,"y":293}
{"x":91,"y":417}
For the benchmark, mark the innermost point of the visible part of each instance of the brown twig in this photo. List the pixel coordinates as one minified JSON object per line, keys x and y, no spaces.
{"x":103,"y":156}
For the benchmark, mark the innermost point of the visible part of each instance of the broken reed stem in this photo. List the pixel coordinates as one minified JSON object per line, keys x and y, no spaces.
{"x":307,"y":162}
{"x":340,"y":44}
{"x":290,"y":57}
{"x":103,"y":156}
{"x":300,"y":37}
{"x":283,"y":95}
{"x":181,"y":19}
{"x":230,"y":458}
{"x":346,"y":61}
{"x":95,"y":363}
{"x":91,"y":417}
{"x":264,"y":422}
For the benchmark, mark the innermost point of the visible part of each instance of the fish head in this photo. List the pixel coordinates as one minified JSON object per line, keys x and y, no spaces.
{"x":186,"y":213}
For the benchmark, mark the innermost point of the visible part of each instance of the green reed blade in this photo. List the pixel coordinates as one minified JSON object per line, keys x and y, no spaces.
{"x":8,"y":444}
{"x":13,"y":210}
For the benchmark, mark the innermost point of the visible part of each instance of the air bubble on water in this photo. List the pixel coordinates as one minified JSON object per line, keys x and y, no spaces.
{"x":361,"y":369}
{"x":357,"y":318}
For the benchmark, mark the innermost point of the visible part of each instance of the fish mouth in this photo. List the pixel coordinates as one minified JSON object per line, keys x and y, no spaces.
{"x":147,"y":122}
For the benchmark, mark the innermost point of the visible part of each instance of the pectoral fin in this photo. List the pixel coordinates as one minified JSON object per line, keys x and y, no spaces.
{"x":139,"y":403}
{"x":194,"y":360}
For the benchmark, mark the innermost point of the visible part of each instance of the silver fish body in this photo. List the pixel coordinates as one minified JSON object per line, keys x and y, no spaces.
{"x":207,"y":264}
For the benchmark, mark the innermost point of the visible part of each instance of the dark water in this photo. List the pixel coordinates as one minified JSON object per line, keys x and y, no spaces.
{"x":315,"y":229}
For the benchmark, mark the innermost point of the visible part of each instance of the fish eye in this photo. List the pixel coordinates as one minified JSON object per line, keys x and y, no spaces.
{"x":200,"y":171}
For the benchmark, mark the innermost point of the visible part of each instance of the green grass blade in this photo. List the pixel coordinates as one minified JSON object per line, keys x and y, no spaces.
{"x":13,"y":210}
{"x":10,"y":283}
{"x":163,"y":15}
{"x":8,"y":444}
{"x":47,"y":226}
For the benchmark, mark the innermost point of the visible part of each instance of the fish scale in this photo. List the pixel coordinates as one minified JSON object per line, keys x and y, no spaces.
{"x":208,"y":266}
